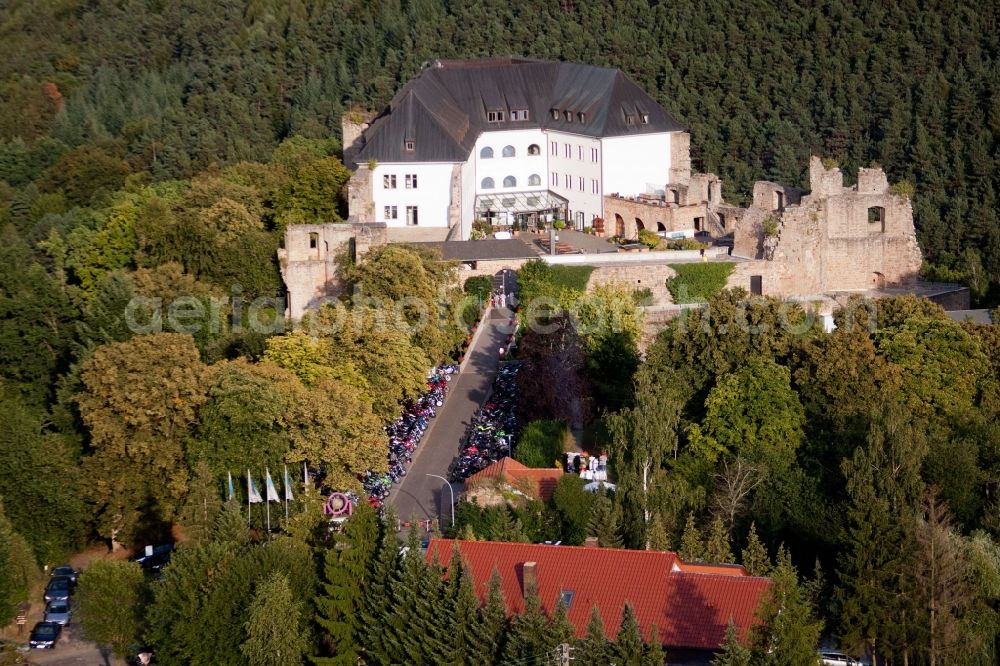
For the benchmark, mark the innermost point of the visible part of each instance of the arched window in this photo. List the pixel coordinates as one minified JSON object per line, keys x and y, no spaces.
{"x":533,"y":149}
{"x":486,"y":153}
{"x":534,"y":179}
{"x":510,"y":181}
{"x":508,"y":151}
{"x":487,"y":184}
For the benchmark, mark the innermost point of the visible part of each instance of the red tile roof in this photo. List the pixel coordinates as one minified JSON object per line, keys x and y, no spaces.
{"x":542,"y":481}
{"x":690,"y":608}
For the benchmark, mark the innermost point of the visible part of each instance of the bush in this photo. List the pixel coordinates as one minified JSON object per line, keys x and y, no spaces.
{"x":685,"y":244}
{"x":643,"y":297}
{"x":559,"y":225}
{"x":903,"y":188}
{"x":541,"y":443}
{"x":479,"y":286}
{"x":649,"y":238}
{"x":109,"y":603}
{"x":698,"y":282}
{"x":770,"y":226}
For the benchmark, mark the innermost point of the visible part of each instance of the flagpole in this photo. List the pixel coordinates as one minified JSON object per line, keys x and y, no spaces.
{"x":287,"y":488}
{"x":248,"y":498}
{"x":267,"y":502}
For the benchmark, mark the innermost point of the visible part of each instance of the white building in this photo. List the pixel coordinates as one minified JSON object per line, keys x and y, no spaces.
{"x":509,"y":140}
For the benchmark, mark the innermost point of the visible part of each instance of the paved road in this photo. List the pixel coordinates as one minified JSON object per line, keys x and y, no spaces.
{"x":420,"y":496}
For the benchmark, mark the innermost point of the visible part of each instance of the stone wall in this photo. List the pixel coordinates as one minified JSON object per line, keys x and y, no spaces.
{"x":308,"y":260}
{"x":653,"y":215}
{"x":680,"y":158}
{"x":835,"y":238}
{"x":360,"y":199}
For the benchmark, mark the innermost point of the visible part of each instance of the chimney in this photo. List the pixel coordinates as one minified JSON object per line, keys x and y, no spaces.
{"x":530,"y":578}
{"x":590,"y":542}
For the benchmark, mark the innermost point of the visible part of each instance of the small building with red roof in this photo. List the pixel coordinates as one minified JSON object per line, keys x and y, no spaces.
{"x":537,"y":482}
{"x":690,"y":604}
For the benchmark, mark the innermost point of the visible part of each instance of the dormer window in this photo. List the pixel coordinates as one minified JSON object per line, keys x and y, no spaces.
{"x":582,"y":117}
{"x":555,"y":114}
{"x":629,"y":119}
{"x":519,"y":114}
{"x":410,"y":145}
{"x":568,"y":115}
{"x":494,"y":116}
{"x":644,"y":118}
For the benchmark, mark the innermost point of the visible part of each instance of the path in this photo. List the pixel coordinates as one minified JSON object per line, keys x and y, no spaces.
{"x":420,"y":496}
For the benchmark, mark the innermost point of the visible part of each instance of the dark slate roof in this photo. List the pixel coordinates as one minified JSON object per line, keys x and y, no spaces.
{"x":975,"y":316}
{"x":481,"y":250}
{"x":443,"y":109}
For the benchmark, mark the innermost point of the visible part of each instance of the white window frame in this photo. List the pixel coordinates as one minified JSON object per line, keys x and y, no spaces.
{"x":389,"y":181}
{"x":391,"y":213}
{"x":412,"y":214}
{"x":569,"y":182}
{"x":411,"y":181}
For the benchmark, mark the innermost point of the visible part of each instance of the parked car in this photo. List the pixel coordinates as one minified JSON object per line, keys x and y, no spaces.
{"x":45,"y":635}
{"x":154,"y":558}
{"x":59,"y":589}
{"x":834,"y":658}
{"x":68,"y":571}
{"x":59,"y":612}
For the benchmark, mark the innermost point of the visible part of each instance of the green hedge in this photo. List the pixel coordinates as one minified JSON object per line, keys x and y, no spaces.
{"x":538,"y":278}
{"x":698,"y":282}
{"x":541,"y":443}
{"x":479,"y":285}
{"x":572,"y":277}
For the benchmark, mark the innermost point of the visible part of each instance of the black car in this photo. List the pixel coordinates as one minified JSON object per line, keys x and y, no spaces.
{"x":154,"y":558}
{"x":68,"y":571}
{"x":45,"y":635}
{"x":59,"y":589}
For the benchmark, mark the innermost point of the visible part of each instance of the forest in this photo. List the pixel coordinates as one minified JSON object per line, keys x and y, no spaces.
{"x":153,"y":152}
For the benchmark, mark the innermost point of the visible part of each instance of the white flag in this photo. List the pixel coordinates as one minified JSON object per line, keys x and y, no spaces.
{"x":272,"y":492}
{"x":305,"y":476}
{"x":252,"y":493}
{"x":288,"y":487}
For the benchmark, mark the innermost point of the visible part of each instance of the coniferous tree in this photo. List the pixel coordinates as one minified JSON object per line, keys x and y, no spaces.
{"x":788,"y":632}
{"x":654,"y":655}
{"x":275,"y":636}
{"x":656,"y":535}
{"x":348,"y":569}
{"x":492,"y":626}
{"x":377,"y":601}
{"x":460,"y":604}
{"x":733,"y":652}
{"x":717,"y":546}
{"x":754,"y":555}
{"x":595,"y":648}
{"x":603,"y":522}
{"x":529,"y":638}
{"x":692,"y":546}
{"x":628,"y":644}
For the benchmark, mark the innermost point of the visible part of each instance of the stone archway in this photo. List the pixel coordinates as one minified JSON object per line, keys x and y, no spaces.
{"x":639,"y":226}
{"x":878,"y":280}
{"x":619,"y":225}
{"x":661,"y":227}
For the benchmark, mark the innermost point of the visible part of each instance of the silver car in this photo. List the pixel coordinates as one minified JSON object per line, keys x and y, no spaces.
{"x":58,"y":612}
{"x":834,"y":658}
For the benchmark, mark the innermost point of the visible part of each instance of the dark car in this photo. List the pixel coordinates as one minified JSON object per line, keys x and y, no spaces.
{"x":45,"y":635}
{"x":59,"y":589}
{"x":66,"y":570}
{"x":154,"y":558}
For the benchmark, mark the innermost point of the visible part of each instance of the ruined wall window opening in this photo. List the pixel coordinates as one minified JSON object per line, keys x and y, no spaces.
{"x":534,"y":179}
{"x":876,"y":215}
{"x":674,"y":196}
{"x":487,"y":184}
{"x":699,"y":224}
{"x":510,"y":181}
{"x":508,"y":151}
{"x":486,"y":153}
{"x":779,"y":200}
{"x":313,"y":241}
{"x":756,"y":285}
{"x":722,"y":220}
{"x":534,"y":149}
